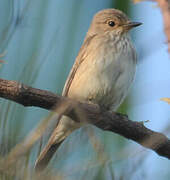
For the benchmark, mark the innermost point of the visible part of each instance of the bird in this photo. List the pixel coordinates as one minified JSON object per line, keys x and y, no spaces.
{"x":102,"y":73}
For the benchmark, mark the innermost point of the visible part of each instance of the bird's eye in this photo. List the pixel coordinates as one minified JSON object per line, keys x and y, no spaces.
{"x":111,"y":23}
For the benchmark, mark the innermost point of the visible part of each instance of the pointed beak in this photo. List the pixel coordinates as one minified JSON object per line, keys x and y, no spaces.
{"x":131,"y":25}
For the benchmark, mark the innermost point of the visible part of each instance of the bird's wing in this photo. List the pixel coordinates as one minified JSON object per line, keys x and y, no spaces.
{"x":48,"y":151}
{"x":80,"y":58}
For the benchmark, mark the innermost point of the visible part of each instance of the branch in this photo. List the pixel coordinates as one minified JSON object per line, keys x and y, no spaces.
{"x":115,"y":122}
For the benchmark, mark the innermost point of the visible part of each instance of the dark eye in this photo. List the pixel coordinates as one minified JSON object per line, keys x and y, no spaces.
{"x":111,"y":23}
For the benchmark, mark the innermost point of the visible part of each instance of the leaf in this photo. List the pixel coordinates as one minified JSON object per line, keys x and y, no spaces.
{"x":166,"y":100}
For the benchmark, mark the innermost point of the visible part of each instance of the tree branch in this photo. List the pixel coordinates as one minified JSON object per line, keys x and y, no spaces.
{"x":115,"y":122}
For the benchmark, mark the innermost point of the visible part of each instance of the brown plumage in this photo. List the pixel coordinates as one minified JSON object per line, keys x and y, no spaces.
{"x":102,"y":73}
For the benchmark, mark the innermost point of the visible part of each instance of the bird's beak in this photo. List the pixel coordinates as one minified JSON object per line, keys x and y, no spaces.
{"x":131,"y":25}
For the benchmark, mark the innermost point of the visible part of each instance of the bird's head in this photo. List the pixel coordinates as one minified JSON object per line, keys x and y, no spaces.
{"x":111,"y":20}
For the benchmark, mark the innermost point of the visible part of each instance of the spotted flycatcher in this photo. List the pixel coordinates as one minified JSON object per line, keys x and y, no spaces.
{"x":102,"y":73}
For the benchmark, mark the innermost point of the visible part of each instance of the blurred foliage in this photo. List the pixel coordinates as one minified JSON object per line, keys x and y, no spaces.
{"x":123,"y":5}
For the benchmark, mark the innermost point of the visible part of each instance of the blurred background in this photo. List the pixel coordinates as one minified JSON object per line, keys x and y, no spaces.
{"x":40,"y":40}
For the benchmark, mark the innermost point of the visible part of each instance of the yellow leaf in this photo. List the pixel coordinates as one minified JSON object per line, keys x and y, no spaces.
{"x":166,"y":100}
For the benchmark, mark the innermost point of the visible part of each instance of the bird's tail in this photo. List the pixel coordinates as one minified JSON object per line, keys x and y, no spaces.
{"x":45,"y":156}
{"x":63,"y":129}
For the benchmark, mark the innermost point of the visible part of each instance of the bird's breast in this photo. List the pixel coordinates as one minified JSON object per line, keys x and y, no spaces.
{"x":104,"y":77}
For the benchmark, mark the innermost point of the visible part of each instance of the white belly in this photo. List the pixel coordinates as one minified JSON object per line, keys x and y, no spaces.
{"x":105,"y":81}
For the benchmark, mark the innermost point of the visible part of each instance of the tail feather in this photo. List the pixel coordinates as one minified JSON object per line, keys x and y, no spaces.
{"x":45,"y":156}
{"x":63,"y":129}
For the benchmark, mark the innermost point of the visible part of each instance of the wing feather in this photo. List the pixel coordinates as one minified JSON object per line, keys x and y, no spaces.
{"x":80,"y":58}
